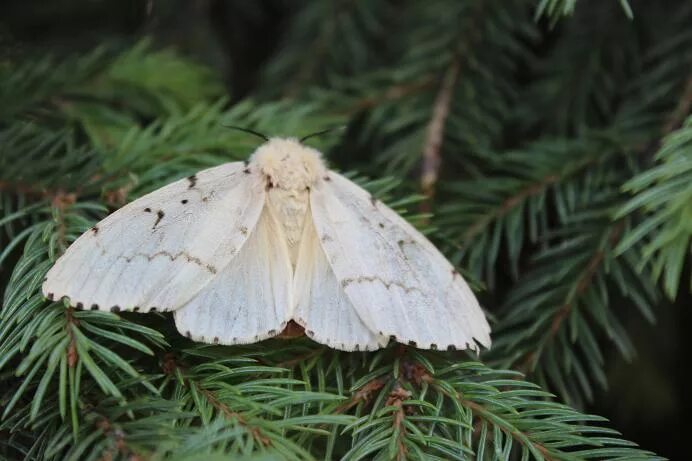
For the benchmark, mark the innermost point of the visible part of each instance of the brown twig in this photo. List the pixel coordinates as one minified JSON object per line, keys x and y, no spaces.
{"x":72,"y":354}
{"x":435,"y":134}
{"x":61,"y":200}
{"x":255,"y":431}
{"x":508,"y":204}
{"x":583,"y":282}
{"x":396,"y":399}
{"x":391,"y":94}
{"x":291,"y":363}
{"x":170,"y":364}
{"x":364,"y":394}
{"x":23,"y":189}
{"x":481,"y":412}
{"x":681,"y":111}
{"x":118,"y":437}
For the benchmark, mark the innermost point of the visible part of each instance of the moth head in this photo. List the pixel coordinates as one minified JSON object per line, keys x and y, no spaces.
{"x":288,"y":164}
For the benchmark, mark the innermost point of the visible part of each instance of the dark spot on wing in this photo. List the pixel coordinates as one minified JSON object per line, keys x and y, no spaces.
{"x":310,"y":333}
{"x":381,"y":225}
{"x":95,"y":229}
{"x":50,"y":296}
{"x":327,"y":178}
{"x":246,"y":171}
{"x":183,"y":201}
{"x":451,"y":347}
{"x":433,"y":347}
{"x":412,"y":343}
{"x":94,"y":307}
{"x":187,"y":333}
{"x":135,"y":309}
{"x":455,"y":274}
{"x":159,"y":216}
{"x":79,"y":306}
{"x":216,"y":340}
{"x":272,"y":332}
{"x":115,"y":309}
{"x":326,"y":238}
{"x":356,"y":347}
{"x":392,"y":338}
{"x":243,"y":230}
{"x":402,"y":243}
{"x":147,"y":210}
{"x":192,"y":180}
{"x":153,"y":309}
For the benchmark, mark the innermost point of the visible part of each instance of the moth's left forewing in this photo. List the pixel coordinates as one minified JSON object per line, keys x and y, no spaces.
{"x":159,"y":250}
{"x":321,"y":305}
{"x":250,"y":299}
{"x":399,"y":283}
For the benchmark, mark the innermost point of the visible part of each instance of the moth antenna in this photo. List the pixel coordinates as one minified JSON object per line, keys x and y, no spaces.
{"x":318,"y":133}
{"x":247,"y":130}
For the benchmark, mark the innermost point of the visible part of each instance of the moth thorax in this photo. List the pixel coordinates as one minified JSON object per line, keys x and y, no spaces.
{"x":289,"y":170}
{"x":290,"y":208}
{"x":287,"y":164}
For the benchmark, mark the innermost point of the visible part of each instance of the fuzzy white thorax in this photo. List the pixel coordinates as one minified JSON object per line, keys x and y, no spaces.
{"x":290,"y":169}
{"x":288,"y":164}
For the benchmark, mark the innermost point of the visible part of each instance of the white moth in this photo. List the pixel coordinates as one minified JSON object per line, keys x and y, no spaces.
{"x":239,"y":250}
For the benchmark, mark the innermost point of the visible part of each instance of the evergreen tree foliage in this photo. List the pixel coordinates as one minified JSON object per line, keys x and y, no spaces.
{"x":545,"y":146}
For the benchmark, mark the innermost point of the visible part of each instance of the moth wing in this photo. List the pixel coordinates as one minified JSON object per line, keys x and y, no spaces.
{"x":249,"y":300}
{"x":161,"y":249}
{"x":398,"y":282}
{"x":321,"y":305}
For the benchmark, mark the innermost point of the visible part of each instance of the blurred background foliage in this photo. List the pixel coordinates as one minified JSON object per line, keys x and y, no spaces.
{"x":544,"y":145}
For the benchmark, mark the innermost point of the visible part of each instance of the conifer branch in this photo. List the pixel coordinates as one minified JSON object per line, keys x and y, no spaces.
{"x":82,"y":135}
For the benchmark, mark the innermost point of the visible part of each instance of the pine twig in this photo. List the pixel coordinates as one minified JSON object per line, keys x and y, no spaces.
{"x":364,"y":394}
{"x":392,"y":93}
{"x":72,"y":354}
{"x":170,"y":366}
{"x":396,"y":399}
{"x":582,"y":284}
{"x":435,"y":134}
{"x":481,"y":412}
{"x":681,"y":111}
{"x":508,"y":204}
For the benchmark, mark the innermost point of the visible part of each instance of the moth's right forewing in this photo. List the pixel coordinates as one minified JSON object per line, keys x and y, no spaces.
{"x":161,"y":249}
{"x":399,"y":283}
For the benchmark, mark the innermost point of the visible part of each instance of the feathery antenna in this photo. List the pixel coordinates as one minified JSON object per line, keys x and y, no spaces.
{"x":334,"y":128}
{"x":247,"y":130}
